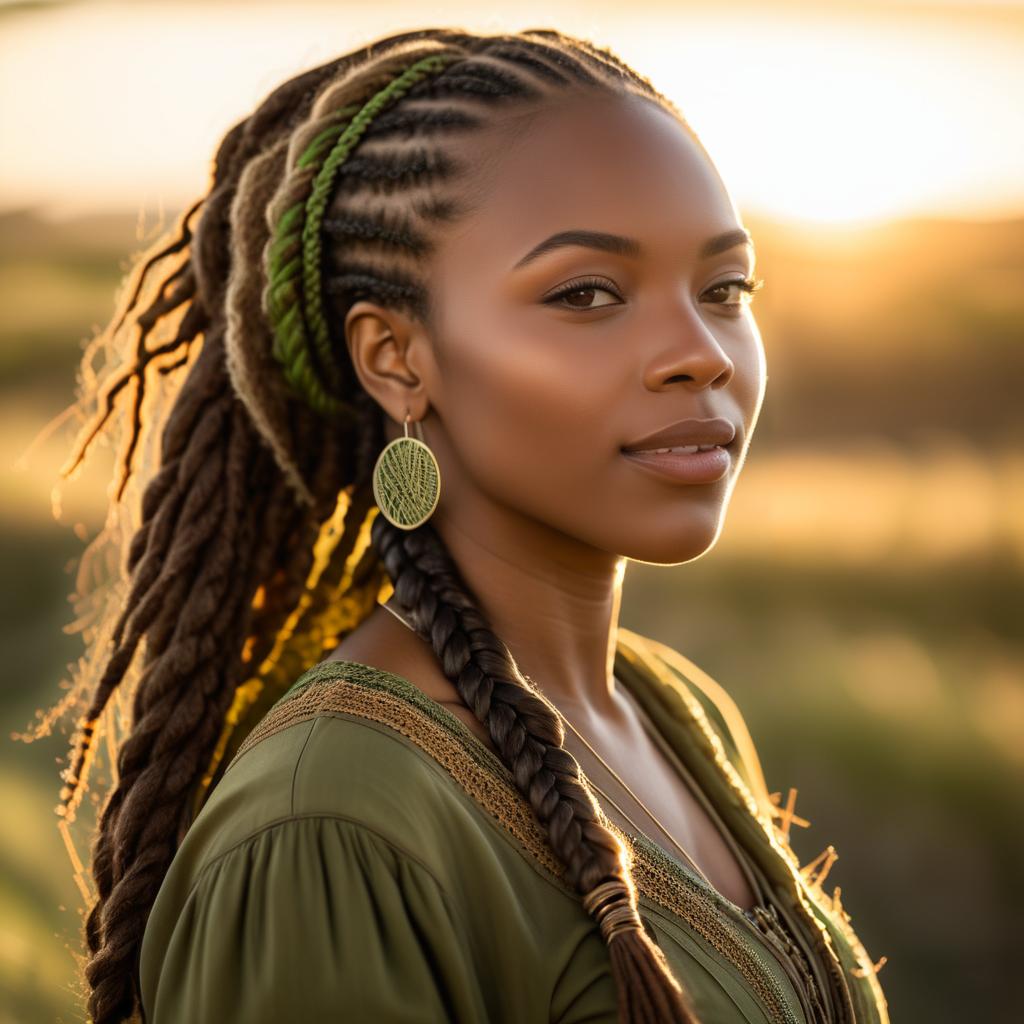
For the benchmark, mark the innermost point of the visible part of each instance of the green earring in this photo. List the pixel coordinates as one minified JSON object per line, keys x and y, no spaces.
{"x":407,"y":480}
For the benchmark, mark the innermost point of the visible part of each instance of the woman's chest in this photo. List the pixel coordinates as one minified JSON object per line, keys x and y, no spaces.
{"x":644,"y":787}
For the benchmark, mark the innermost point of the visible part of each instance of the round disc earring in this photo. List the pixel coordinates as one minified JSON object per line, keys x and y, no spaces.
{"x":407,"y":480}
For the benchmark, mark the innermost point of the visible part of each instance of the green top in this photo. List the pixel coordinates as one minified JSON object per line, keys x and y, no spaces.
{"x":366,"y":856}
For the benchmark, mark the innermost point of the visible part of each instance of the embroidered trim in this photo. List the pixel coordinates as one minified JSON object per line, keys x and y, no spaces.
{"x":370,"y":694}
{"x":768,"y":922}
{"x":711,"y":743}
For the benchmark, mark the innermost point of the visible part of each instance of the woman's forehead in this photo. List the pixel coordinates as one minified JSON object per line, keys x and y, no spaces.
{"x":617,"y":164}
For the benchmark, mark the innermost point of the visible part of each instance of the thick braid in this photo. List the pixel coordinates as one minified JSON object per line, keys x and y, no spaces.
{"x":528,"y":735}
{"x":178,"y":697}
{"x":196,"y":567}
{"x":253,"y":368}
{"x":525,"y":731}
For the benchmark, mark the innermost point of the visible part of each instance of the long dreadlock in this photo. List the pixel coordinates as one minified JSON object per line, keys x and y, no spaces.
{"x":258,"y":544}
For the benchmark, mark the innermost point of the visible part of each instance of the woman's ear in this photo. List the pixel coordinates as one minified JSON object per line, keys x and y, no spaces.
{"x":387,"y":349}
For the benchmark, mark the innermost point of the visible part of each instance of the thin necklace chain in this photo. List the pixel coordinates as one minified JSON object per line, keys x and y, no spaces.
{"x":611,"y":771}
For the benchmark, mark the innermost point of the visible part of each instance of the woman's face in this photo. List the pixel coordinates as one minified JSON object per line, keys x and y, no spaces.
{"x":539,"y":389}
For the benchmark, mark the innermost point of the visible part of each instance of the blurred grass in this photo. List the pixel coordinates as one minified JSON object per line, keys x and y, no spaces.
{"x":862,"y":604}
{"x":884,"y":706}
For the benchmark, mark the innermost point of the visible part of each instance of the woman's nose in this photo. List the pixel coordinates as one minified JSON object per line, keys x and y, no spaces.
{"x":695,"y":358}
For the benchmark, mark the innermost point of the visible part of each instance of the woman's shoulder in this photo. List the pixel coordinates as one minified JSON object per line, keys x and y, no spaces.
{"x":359,"y":825}
{"x":339,"y":747}
{"x":360,"y":749}
{"x":704,"y":698}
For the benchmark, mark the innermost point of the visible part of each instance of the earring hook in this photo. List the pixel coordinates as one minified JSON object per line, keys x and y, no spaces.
{"x":417,"y":426}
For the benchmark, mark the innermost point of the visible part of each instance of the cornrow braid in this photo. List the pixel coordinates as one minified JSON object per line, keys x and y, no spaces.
{"x":303,"y":338}
{"x":259,"y":546}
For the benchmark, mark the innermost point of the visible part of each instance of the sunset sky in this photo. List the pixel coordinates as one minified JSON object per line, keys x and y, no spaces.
{"x":817,"y":112}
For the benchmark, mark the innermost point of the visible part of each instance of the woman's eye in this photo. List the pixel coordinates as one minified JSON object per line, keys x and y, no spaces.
{"x":744,"y":294}
{"x":581,"y":295}
{"x":586,"y":294}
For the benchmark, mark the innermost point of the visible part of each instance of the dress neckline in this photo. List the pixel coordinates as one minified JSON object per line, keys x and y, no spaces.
{"x":347,"y":687}
{"x":669,"y":699}
{"x":630,"y":669}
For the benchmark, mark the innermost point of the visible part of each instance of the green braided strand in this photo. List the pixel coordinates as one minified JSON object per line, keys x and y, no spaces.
{"x":313,"y":151}
{"x":294,"y":255}
{"x":283,"y":307}
{"x":284,"y":266}
{"x":316,"y":204}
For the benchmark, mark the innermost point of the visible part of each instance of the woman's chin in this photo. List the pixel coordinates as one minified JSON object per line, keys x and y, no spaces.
{"x":682,"y":545}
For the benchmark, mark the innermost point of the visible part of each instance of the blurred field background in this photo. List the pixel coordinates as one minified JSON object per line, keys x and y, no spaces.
{"x":863,"y":603}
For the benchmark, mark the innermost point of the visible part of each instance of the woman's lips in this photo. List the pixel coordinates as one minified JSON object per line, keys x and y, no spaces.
{"x":702,"y":467}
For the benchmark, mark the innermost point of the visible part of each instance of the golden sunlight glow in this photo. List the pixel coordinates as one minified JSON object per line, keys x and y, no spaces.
{"x":836,"y":121}
{"x":811,"y":113}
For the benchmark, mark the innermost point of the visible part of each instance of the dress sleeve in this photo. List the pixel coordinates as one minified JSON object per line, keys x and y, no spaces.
{"x":316,"y":919}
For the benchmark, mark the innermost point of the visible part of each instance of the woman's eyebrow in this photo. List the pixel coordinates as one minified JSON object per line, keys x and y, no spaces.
{"x":622,"y":246}
{"x":588,"y":239}
{"x":725,"y":241}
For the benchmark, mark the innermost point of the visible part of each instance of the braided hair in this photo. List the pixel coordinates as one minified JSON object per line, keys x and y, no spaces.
{"x":256,"y":544}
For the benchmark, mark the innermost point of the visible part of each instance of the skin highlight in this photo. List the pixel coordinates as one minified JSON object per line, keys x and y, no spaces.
{"x":527,"y":403}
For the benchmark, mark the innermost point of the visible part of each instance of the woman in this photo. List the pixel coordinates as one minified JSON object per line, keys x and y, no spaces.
{"x":463,"y":326}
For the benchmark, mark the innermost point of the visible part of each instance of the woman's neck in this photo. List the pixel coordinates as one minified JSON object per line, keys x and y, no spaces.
{"x":552,"y":601}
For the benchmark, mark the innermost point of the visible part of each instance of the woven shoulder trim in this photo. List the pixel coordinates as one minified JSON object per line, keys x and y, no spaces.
{"x":685,"y":672}
{"x":380,"y":697}
{"x":692,"y":683}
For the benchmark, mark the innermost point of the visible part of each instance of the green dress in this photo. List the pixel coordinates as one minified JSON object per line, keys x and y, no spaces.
{"x":365,"y":857}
